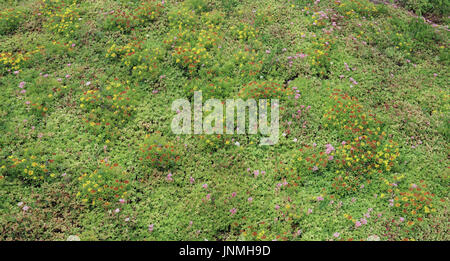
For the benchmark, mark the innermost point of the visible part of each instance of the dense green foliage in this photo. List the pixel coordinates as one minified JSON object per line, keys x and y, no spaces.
{"x":86,"y":146}
{"x":423,"y":7}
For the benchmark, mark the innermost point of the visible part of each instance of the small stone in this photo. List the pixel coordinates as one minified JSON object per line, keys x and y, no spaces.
{"x":73,"y":238}
{"x":373,"y":238}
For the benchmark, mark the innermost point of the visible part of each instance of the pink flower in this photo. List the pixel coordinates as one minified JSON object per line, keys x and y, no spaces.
{"x":330,"y":148}
{"x":25,"y":208}
{"x":357,"y":224}
{"x":116,"y":210}
{"x":267,"y":51}
{"x":205,"y":186}
{"x":169,"y":177}
{"x":363,"y":221}
{"x":233,"y":194}
{"x":233,"y":211}
{"x":192,"y":180}
{"x":336,"y":235}
{"x":346,"y":67}
{"x":150,"y":228}
{"x":319,"y":198}
{"x":122,"y":200}
{"x":250,"y":199}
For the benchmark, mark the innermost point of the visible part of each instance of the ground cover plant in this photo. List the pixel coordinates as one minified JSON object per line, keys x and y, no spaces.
{"x":87,"y":150}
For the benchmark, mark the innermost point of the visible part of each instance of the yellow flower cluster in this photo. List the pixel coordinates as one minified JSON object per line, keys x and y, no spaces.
{"x":143,"y":63}
{"x":415,"y":203}
{"x":108,"y":106}
{"x":10,"y":61}
{"x":357,"y":8}
{"x":105,"y":185}
{"x":10,"y":19}
{"x":183,"y":18}
{"x":245,"y":32}
{"x":30,"y":168}
{"x":361,"y":155}
{"x":13,"y":61}
{"x":61,"y":19}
